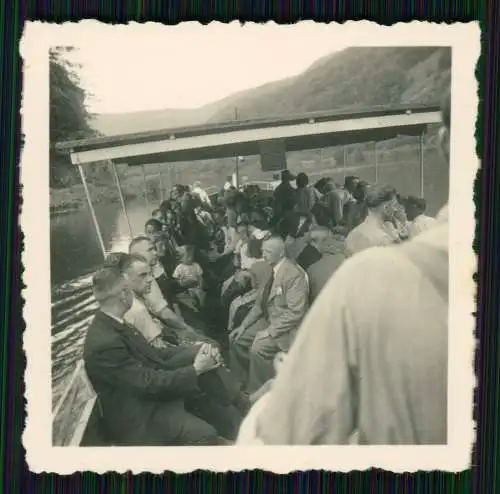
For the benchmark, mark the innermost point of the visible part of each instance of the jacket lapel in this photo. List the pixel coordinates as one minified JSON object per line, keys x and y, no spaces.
{"x":278,"y":280}
{"x":134,"y":340}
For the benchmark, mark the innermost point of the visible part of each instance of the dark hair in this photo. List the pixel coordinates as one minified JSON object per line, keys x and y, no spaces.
{"x":446,"y":110}
{"x":322,"y":185}
{"x":414,"y":206}
{"x":378,"y":194}
{"x":154,"y":223}
{"x":156,"y":211}
{"x":259,"y":223}
{"x":254,"y":248}
{"x":138,"y":240}
{"x":349,"y":181}
{"x":302,"y":180}
{"x":105,"y":281}
{"x":359,"y":193}
{"x":161,"y":238}
{"x":166,"y":206}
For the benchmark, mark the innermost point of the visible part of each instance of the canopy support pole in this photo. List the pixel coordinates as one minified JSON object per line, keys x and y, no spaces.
{"x":345,"y":161}
{"x":92,"y":212}
{"x":422,"y":135}
{"x":145,"y":186}
{"x":122,"y":200}
{"x":162,"y":190}
{"x":237,"y":172}
{"x":375,"y":159}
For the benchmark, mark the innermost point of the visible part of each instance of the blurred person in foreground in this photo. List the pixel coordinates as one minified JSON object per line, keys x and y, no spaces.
{"x":371,"y":357}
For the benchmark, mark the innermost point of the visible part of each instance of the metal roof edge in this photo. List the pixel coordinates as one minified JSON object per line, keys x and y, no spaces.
{"x":121,"y":139}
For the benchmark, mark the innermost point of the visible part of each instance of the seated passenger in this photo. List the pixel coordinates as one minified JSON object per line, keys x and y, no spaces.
{"x":153,"y":228}
{"x":163,"y":298}
{"x":158,"y":215}
{"x":279,"y":309}
{"x":415,"y":212}
{"x":331,"y":251}
{"x":189,"y":275}
{"x":381,"y":202}
{"x":167,"y":254}
{"x":148,"y":395}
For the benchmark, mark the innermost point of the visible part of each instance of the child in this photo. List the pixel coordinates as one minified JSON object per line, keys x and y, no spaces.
{"x":189,"y":275}
{"x":153,"y":229}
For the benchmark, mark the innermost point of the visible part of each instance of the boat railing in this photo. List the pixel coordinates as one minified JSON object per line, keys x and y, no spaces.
{"x":73,"y":410}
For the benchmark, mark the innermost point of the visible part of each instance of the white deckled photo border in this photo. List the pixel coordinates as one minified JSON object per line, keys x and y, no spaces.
{"x":41,"y":456}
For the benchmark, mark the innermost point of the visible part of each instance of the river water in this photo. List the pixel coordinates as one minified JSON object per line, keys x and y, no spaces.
{"x":75,"y":254}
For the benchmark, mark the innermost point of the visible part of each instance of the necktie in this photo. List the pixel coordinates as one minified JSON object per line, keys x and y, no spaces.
{"x":266,"y":292}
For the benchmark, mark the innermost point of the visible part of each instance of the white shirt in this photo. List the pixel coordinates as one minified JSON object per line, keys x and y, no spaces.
{"x":277,"y":266}
{"x":202,"y":195}
{"x":420,"y":224}
{"x":157,"y":270}
{"x":139,"y":317}
{"x":369,"y":234}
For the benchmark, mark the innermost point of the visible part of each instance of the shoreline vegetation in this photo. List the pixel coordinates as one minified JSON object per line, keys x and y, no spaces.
{"x":71,"y":199}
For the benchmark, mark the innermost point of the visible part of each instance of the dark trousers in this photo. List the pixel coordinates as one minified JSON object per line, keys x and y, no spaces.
{"x":262,"y":352}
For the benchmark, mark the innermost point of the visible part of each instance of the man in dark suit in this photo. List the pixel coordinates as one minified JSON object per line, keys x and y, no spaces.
{"x":145,"y":392}
{"x":272,"y":323}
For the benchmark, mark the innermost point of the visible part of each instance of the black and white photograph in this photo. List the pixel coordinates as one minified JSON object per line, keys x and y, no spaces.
{"x":249,"y":236}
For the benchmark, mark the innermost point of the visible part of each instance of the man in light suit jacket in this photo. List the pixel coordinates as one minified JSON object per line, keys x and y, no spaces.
{"x":272,"y":323}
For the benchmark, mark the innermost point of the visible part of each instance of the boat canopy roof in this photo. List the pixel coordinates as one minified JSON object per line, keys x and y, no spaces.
{"x":312,"y":130}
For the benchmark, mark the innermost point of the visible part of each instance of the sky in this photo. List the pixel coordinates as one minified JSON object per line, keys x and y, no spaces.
{"x":148,"y":67}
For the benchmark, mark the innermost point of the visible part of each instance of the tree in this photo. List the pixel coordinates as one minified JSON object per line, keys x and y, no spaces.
{"x":69,"y":117}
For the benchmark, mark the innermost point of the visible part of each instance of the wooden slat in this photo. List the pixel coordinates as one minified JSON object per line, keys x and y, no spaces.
{"x":78,"y":393}
{"x":76,"y":439}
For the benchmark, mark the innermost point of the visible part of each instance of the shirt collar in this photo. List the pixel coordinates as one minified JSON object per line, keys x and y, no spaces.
{"x":118,"y":319}
{"x":277,"y":266}
{"x":157,"y":270}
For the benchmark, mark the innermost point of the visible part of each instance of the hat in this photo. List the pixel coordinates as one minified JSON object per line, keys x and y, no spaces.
{"x":287,"y":175}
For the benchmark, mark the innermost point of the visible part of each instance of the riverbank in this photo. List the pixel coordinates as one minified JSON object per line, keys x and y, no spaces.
{"x":72,"y":199}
